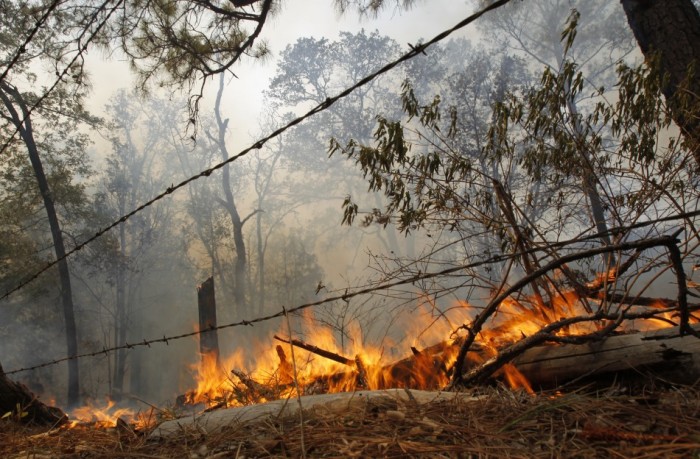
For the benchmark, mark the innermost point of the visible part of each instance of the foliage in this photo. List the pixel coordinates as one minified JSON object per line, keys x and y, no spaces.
{"x":522,"y":179}
{"x":187,"y":40}
{"x":365,"y":7}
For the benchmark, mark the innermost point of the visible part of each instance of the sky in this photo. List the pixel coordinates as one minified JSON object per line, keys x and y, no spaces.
{"x":243,"y":102}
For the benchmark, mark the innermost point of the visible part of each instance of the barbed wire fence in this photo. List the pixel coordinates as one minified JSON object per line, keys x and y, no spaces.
{"x":347,"y":295}
{"x":415,"y":50}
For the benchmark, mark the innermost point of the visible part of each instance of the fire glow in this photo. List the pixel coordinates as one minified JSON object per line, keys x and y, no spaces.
{"x":330,"y":368}
{"x":108,"y":415}
{"x":312,"y":361}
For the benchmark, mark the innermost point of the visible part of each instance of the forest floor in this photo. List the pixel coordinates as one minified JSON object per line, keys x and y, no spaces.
{"x":663,"y":423}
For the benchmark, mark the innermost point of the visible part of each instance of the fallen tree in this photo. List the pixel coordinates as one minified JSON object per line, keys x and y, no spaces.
{"x":664,"y":353}
{"x":19,"y":403}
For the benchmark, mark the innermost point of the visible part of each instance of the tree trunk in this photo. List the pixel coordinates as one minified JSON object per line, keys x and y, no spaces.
{"x":669,"y":31}
{"x":120,"y":321}
{"x":241,"y":278}
{"x":27,"y":134}
{"x":261,"y":261}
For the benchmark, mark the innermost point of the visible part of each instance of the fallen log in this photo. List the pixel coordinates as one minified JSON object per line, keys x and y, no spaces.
{"x":663,"y":353}
{"x":18,"y":402}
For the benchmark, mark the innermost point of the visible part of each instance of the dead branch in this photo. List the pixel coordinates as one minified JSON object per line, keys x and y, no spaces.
{"x":477,"y":324}
{"x":481,"y":373}
{"x":318,"y":351}
{"x":249,"y":382}
{"x":504,"y":202}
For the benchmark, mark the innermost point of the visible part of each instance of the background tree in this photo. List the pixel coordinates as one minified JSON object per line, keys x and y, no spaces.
{"x":535,"y":33}
{"x":240,"y":287}
{"x":16,"y":112}
{"x":431,"y":175}
{"x":668,"y":34}
{"x":135,"y":171}
{"x":312,"y":70}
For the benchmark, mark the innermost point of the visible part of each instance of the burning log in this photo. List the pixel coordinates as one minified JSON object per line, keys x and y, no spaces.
{"x":549,"y":355}
{"x":548,"y":333}
{"x":22,"y":404}
{"x":424,"y":369}
{"x":358,"y":364}
{"x":662,"y":352}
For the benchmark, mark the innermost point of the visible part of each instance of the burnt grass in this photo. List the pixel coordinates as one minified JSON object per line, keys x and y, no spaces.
{"x":584,"y":423}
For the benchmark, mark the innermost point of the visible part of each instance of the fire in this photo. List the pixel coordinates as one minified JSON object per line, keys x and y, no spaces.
{"x":515,"y":379}
{"x":213,"y":383}
{"x":107,"y":415}
{"x":355,"y":365}
{"x":317,"y":362}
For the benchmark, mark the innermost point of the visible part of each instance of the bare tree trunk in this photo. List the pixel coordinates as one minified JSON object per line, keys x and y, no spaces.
{"x":261,"y":262}
{"x":589,"y":182}
{"x":8,"y":94}
{"x":240,"y":274}
{"x":120,"y":322}
{"x":669,"y":31}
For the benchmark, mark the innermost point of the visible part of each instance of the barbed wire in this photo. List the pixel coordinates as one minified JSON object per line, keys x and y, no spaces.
{"x":82,"y":48}
{"x":346,"y":296}
{"x":415,"y":51}
{"x":21,"y":49}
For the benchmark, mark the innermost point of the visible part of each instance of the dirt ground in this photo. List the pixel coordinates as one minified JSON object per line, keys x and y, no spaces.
{"x":502,"y":423}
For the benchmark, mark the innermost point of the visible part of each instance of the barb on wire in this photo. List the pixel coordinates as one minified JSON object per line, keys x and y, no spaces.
{"x":261,"y":142}
{"x":23,"y":47}
{"x":347,"y":295}
{"x":82,"y":47}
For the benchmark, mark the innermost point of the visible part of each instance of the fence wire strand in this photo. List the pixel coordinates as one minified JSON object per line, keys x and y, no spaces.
{"x":415,"y":51}
{"x":364,"y":291}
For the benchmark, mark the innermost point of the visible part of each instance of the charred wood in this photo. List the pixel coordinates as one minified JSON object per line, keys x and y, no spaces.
{"x":17,"y":399}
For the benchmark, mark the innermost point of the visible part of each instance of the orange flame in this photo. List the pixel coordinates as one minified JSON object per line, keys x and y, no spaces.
{"x":275,"y":374}
{"x":106,"y":416}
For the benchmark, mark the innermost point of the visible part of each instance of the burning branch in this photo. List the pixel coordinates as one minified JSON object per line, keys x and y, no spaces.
{"x":318,"y":351}
{"x":546,"y":333}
